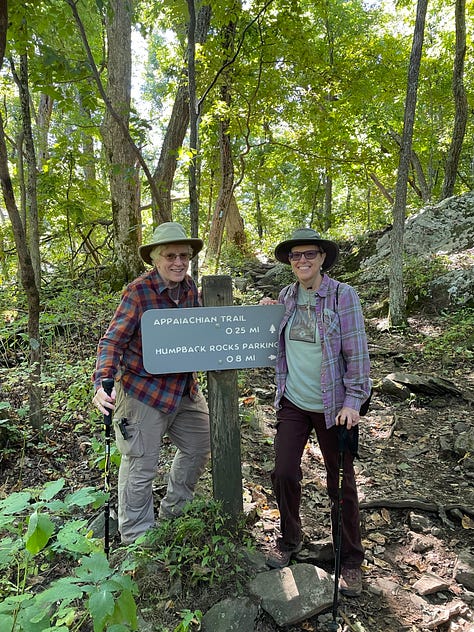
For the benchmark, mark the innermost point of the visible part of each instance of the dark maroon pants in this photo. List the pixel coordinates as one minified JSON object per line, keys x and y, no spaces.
{"x":293,"y":429}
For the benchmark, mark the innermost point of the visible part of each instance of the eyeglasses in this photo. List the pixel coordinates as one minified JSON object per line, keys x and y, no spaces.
{"x":309,"y":255}
{"x":171,"y":256}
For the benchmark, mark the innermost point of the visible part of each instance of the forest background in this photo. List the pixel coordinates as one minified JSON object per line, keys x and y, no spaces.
{"x":241,"y":120}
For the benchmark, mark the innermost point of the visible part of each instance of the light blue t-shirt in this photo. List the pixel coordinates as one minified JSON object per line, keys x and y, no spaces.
{"x":304,"y":355}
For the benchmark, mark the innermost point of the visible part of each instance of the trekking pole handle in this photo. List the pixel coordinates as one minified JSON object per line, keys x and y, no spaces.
{"x":342,"y":433}
{"x":108,"y":385}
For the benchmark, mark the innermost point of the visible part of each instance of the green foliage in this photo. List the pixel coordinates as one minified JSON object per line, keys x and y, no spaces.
{"x":38,"y":529}
{"x":455,"y":343}
{"x":189,"y":620}
{"x":72,"y":314}
{"x":419,"y":272}
{"x":199,"y":546}
{"x":98,"y":460}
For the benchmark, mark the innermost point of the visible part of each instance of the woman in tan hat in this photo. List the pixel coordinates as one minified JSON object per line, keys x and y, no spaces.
{"x":322,"y":376}
{"x":152,"y":405}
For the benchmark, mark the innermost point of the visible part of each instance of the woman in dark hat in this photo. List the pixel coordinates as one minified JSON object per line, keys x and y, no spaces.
{"x":153,"y":405}
{"x":322,"y":378}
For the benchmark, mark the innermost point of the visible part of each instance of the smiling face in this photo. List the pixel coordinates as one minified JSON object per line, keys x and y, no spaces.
{"x":307,"y":270}
{"x":173,"y":268}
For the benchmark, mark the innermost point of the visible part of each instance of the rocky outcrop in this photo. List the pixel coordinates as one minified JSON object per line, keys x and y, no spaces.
{"x":442,"y":236}
{"x":439,"y":246}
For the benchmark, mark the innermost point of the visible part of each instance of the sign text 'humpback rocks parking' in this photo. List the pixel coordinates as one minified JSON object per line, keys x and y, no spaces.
{"x":210,"y":338}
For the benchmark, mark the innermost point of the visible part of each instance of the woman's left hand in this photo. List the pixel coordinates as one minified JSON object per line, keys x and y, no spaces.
{"x":347,"y":417}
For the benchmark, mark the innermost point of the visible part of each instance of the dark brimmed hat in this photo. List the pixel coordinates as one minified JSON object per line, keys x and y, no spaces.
{"x":169,"y":233}
{"x":308,"y":236}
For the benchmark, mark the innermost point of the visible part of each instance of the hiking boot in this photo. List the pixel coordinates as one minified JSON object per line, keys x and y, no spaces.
{"x":279,"y":557}
{"x":350,"y":582}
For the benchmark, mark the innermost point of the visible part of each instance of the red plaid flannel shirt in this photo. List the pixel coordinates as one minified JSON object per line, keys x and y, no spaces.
{"x":119,"y":353}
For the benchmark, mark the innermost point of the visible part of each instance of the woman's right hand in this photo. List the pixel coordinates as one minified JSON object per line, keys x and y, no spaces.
{"x":266,"y":300}
{"x":104,"y":402}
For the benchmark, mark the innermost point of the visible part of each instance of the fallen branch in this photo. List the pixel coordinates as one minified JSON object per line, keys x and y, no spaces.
{"x":414,"y":503}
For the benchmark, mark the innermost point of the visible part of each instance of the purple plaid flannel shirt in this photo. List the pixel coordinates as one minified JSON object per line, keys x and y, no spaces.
{"x":345,"y":365}
{"x":119,"y":354}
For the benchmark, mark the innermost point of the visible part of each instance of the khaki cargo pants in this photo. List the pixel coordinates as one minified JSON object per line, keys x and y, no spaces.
{"x":187,"y":428}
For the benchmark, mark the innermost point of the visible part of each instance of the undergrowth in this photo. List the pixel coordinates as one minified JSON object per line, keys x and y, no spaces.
{"x":455,"y":344}
{"x":201,"y":545}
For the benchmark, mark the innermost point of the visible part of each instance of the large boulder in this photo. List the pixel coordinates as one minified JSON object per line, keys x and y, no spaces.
{"x":444,"y":231}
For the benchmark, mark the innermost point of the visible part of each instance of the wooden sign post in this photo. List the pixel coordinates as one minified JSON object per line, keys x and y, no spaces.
{"x":223,"y":400}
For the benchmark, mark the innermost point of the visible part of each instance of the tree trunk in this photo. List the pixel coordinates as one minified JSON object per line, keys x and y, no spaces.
{"x":234,"y":227}
{"x":27,"y":271}
{"x":87,"y":142}
{"x":176,"y":131}
{"x":460,"y":103}
{"x":193,"y":131}
{"x":172,"y":142}
{"x":45,"y":110}
{"x":32,"y":218}
{"x":387,"y":195}
{"x":397,"y":314}
{"x":226,"y":163}
{"x":258,"y":211}
{"x":327,"y":213}
{"x":121,"y":116}
{"x":120,"y":155}
{"x":28,"y":282}
{"x":421,"y":189}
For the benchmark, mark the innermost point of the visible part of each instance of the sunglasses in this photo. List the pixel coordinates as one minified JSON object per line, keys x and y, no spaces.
{"x":171,"y":256}
{"x":309,"y":255}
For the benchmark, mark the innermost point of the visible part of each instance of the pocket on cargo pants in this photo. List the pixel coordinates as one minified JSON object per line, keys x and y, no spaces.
{"x":128,"y":435}
{"x":133,"y":444}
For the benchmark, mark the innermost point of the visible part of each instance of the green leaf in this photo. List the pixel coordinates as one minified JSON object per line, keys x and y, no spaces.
{"x":94,"y":568}
{"x":85,"y":496}
{"x":125,"y":610}
{"x":15,"y":503}
{"x":63,"y":590}
{"x":33,"y":619}
{"x":8,"y":549}
{"x":40,"y":529}
{"x":12,"y":603}
{"x":52,"y":488}
{"x":403,"y":466}
{"x":6,"y":622}
{"x":124,"y":582}
{"x":57,"y":506}
{"x":70,"y":538}
{"x":101,"y":606}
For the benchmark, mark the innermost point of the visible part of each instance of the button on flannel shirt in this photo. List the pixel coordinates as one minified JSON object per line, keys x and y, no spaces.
{"x":345,"y":365}
{"x":119,"y":353}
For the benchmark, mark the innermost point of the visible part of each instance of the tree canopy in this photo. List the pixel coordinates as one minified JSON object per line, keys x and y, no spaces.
{"x":314,"y":117}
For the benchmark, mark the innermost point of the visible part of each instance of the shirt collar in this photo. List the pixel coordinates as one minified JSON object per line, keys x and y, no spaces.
{"x":322,"y":290}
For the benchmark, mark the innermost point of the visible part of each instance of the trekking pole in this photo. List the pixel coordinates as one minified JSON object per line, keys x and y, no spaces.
{"x":341,"y":444}
{"x":108,"y":386}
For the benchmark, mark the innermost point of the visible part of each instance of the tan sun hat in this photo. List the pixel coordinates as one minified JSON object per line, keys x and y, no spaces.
{"x":169,"y":233}
{"x":308,"y":236}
